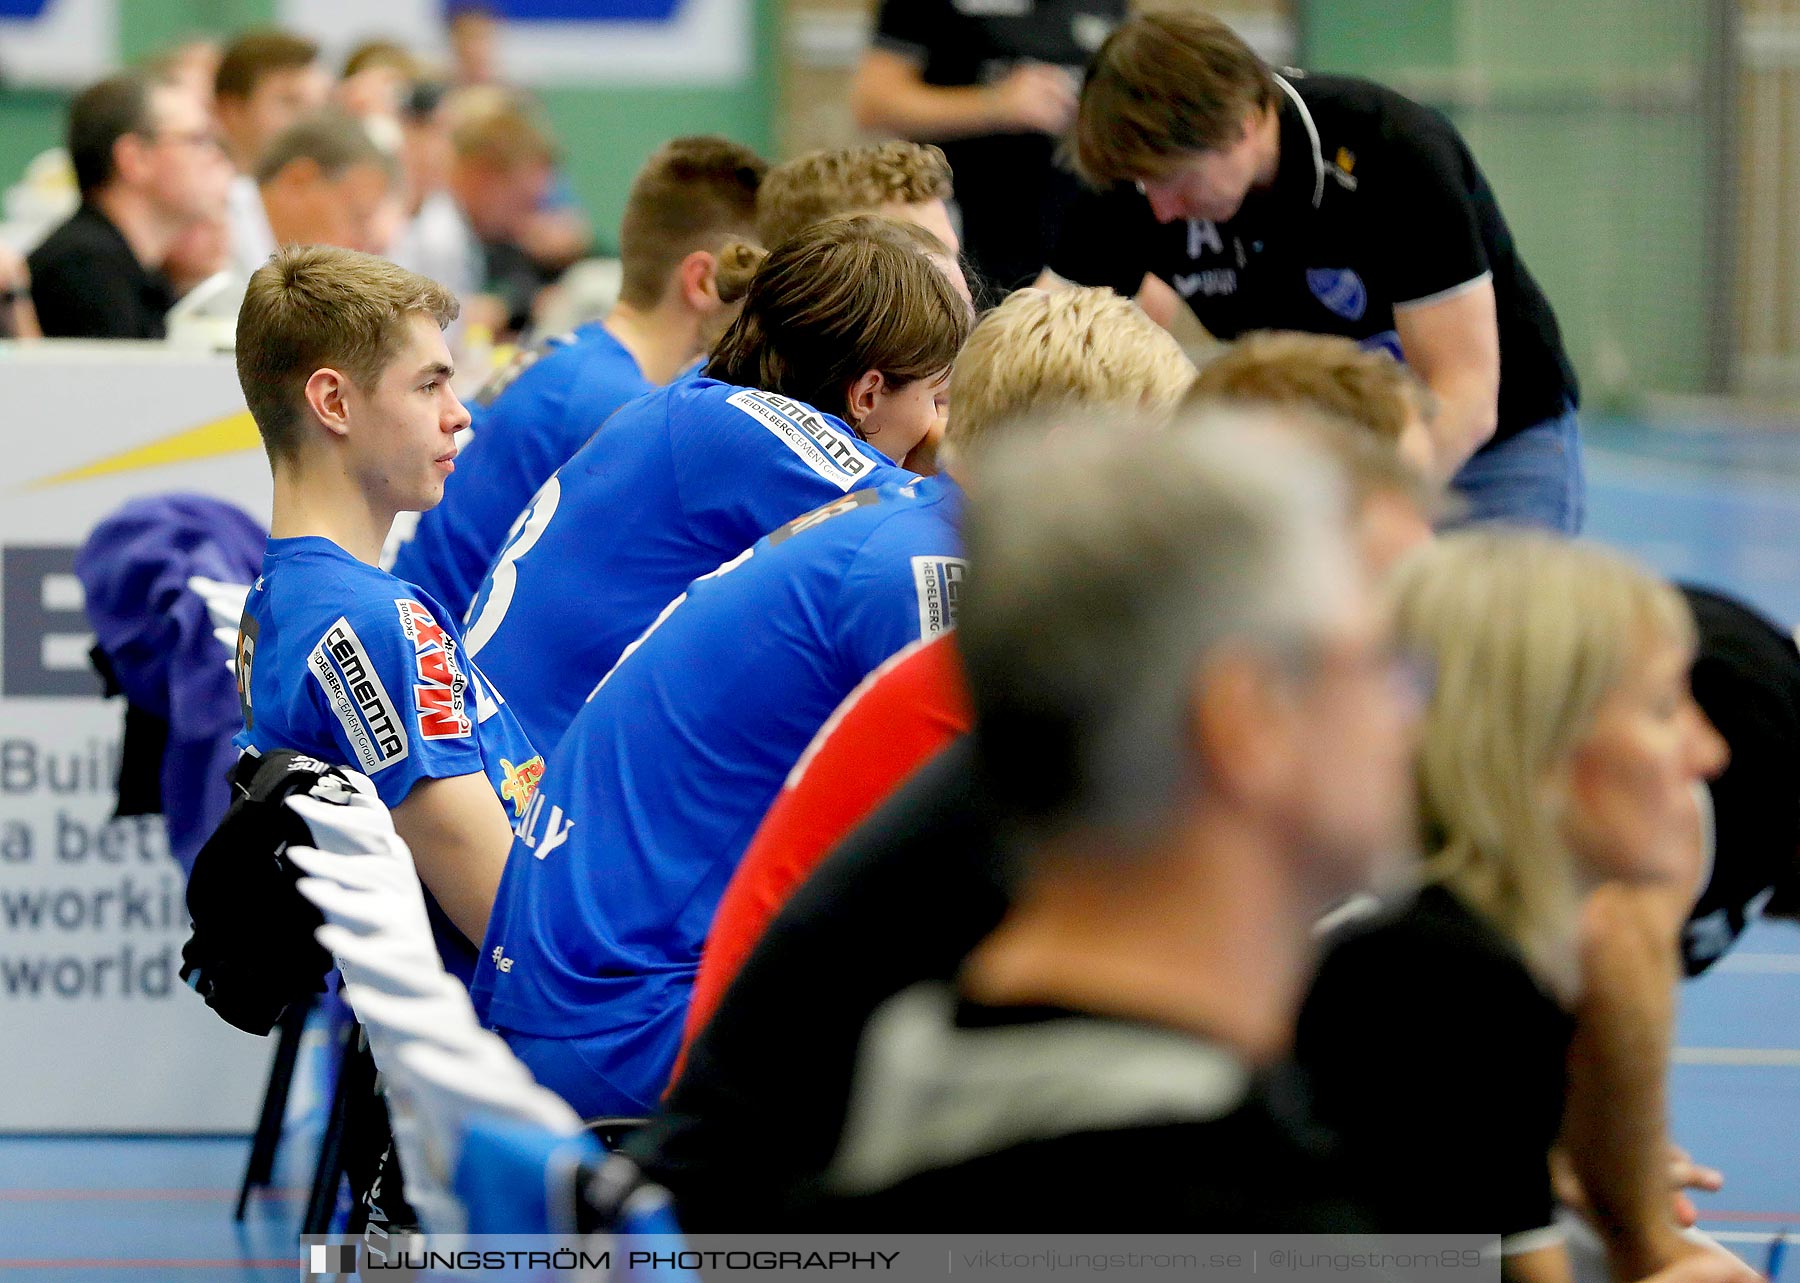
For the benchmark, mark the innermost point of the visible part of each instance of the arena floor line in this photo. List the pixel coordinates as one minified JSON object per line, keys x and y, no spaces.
{"x":1704,"y":502}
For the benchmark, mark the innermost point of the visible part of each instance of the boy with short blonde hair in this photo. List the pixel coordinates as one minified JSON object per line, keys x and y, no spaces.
{"x":342,"y":361}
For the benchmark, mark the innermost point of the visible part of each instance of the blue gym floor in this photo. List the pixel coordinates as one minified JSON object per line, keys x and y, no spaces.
{"x":1708,"y":503}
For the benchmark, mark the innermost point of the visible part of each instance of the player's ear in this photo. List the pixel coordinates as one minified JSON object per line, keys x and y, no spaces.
{"x":863,"y":395}
{"x":696,"y":276}
{"x":325,"y":398}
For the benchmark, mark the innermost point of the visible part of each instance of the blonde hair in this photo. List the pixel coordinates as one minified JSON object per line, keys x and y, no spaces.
{"x":1368,"y":388}
{"x":1165,"y":84}
{"x":843,"y":296}
{"x":1529,"y":633}
{"x":1039,"y":349}
{"x":501,"y":133}
{"x":312,"y":306}
{"x":849,"y":180}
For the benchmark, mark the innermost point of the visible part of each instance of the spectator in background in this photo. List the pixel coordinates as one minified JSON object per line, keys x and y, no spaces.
{"x":204,"y":247}
{"x":503,"y":163}
{"x":192,"y":64}
{"x":379,"y":75}
{"x":18,"y":320}
{"x":691,"y":196}
{"x":323,"y":181}
{"x":995,"y":85}
{"x":266,"y":81}
{"x":436,"y":241}
{"x":474,"y":44}
{"x":148,"y":164}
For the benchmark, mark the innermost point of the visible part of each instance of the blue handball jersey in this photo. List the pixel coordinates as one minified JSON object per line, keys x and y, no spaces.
{"x":679,"y":481}
{"x":527,"y":423}
{"x":649,"y":801}
{"x":348,"y":664}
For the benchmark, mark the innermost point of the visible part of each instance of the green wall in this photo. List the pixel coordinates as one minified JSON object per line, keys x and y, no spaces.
{"x":1587,"y":116}
{"x":605,"y":133}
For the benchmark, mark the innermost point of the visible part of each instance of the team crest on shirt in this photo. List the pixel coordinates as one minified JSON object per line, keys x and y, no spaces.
{"x":521,"y":782}
{"x":438,"y":692}
{"x":1341,"y":290}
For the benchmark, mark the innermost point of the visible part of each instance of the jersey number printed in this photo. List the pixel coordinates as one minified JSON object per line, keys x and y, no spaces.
{"x":489,"y":609}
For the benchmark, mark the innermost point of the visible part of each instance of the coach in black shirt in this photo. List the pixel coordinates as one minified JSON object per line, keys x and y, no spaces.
{"x":149,"y":166}
{"x":1330,"y":205}
{"x":993,"y":84}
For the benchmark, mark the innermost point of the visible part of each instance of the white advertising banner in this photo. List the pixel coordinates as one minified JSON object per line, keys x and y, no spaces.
{"x":100,"y":1035}
{"x":611,"y":44}
{"x":61,"y":43}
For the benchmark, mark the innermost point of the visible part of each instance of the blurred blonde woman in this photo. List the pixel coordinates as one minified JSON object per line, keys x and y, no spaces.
{"x":1559,"y":753}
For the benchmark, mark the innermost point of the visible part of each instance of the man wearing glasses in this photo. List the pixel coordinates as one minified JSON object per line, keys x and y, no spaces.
{"x":149,"y":165}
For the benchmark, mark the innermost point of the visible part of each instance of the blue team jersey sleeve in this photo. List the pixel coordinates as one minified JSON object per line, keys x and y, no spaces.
{"x":903,"y":585}
{"x":392,"y":692}
{"x":746,"y":461}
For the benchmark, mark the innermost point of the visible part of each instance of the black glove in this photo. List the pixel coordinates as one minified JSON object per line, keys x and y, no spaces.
{"x":252,"y":953}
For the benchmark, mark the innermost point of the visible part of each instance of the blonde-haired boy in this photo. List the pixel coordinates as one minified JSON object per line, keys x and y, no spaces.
{"x":342,"y":360}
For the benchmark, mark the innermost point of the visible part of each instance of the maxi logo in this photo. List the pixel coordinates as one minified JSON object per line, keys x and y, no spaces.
{"x":938,"y":581}
{"x":439,"y":690}
{"x":340,"y":664}
{"x":827,"y":450}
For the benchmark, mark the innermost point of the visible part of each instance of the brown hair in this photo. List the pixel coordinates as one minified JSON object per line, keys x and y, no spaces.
{"x":690,"y":195}
{"x":849,"y":180}
{"x":503,"y":136}
{"x":1324,"y":372}
{"x":1165,"y":83}
{"x":312,"y":306}
{"x":333,"y":139}
{"x":102,"y":114}
{"x":257,"y":54}
{"x":843,"y":296}
{"x":382,"y":53}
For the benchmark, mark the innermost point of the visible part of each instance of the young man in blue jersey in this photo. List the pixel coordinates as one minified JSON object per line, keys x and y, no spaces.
{"x":342,"y":360}
{"x":834,"y":370}
{"x":651,"y":797}
{"x":689,"y":199}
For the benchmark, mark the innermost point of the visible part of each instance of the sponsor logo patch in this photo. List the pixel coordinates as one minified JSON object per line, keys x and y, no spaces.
{"x":521,"y":782}
{"x":938,"y":582}
{"x":1340,"y":290}
{"x":836,"y":508}
{"x":438,"y":692}
{"x":828,"y":450}
{"x":340,"y":664}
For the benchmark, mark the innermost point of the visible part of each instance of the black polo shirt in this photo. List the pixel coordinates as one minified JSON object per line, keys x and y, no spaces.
{"x":1747,"y":681}
{"x":87,"y":284}
{"x":1012,"y":193}
{"x":1439,"y":1060}
{"x":1376,"y":204}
